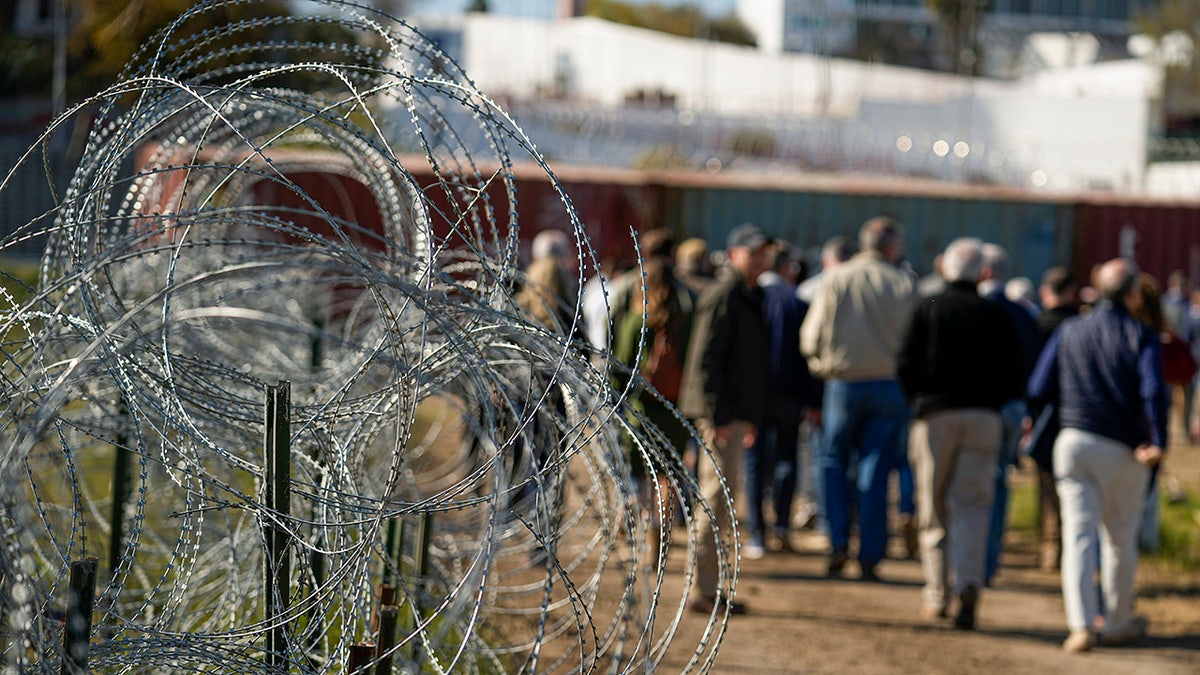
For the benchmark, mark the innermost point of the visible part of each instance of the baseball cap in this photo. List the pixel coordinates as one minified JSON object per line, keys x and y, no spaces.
{"x":748,"y":235}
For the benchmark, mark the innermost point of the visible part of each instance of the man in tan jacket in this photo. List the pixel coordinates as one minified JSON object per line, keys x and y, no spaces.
{"x":850,"y":337}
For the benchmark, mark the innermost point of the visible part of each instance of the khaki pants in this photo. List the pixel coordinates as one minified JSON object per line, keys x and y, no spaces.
{"x":714,"y":526}
{"x":953,"y":455}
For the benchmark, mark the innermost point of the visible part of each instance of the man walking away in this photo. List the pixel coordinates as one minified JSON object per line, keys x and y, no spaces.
{"x":851,"y":336}
{"x":958,"y":364}
{"x":1104,"y":372}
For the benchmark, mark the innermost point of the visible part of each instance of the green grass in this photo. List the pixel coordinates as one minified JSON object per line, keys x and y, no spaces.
{"x":1179,"y":546}
{"x":1022,"y":512}
{"x":1179,"y":543}
{"x":14,"y":273}
{"x":17,"y":278}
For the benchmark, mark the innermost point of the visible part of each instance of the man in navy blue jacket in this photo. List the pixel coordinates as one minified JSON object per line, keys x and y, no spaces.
{"x":1104,"y":371}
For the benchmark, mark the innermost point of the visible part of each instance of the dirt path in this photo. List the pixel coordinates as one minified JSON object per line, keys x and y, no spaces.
{"x":800,"y":622}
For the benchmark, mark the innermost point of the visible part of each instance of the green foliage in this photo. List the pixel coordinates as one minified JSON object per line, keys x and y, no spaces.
{"x":1182,"y":82}
{"x":958,"y":22}
{"x":730,"y":29}
{"x":25,"y":66}
{"x":681,"y":20}
{"x":18,"y":276}
{"x":105,"y":34}
{"x":1167,"y":16}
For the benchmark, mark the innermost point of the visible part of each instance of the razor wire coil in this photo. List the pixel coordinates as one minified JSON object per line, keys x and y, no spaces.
{"x":440,"y":442}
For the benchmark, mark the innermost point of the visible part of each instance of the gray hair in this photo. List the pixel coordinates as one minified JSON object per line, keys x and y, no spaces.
{"x":836,"y":249}
{"x":879,"y":233}
{"x":995,"y":260}
{"x":963,"y":260}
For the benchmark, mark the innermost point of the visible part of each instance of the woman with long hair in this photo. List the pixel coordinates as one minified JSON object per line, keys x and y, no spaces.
{"x":651,"y":339}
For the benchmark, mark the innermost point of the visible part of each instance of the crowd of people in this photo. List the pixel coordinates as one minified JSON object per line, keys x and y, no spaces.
{"x":820,"y":392}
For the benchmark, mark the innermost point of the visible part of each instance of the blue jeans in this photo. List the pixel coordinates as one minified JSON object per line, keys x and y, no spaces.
{"x":771,"y":466}
{"x":1011,"y":414}
{"x":866,"y":427}
{"x":808,"y":476}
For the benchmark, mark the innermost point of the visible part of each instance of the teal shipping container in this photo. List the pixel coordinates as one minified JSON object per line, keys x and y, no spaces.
{"x":1037,"y":233}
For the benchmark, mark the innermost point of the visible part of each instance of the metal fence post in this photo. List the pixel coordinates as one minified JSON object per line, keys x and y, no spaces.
{"x":277,"y":481}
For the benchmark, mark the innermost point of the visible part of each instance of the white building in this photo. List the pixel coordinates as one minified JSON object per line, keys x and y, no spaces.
{"x":1071,"y":128}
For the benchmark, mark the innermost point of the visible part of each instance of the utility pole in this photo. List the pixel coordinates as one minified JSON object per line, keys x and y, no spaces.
{"x":58,"y":82}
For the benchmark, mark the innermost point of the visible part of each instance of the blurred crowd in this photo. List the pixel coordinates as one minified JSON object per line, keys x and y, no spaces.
{"x":852,"y":397}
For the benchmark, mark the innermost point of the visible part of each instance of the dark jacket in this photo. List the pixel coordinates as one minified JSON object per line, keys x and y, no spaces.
{"x":1049,"y":320}
{"x":1104,"y":371}
{"x":1028,"y":334}
{"x":725,"y":378}
{"x":960,"y":351}
{"x":789,"y":378}
{"x":629,"y":338}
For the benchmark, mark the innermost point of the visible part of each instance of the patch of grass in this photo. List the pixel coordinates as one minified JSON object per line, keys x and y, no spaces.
{"x":1179,"y":538}
{"x":1023,"y":512}
{"x":17,"y":276}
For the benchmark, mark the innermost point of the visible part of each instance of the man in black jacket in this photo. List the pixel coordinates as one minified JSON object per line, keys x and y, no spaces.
{"x":958,"y":364}
{"x":725,"y":391}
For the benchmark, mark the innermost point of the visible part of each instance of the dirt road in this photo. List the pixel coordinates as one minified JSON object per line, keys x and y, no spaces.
{"x":800,"y":622}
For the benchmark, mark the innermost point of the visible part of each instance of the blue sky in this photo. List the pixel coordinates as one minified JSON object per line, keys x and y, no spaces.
{"x":543,"y":8}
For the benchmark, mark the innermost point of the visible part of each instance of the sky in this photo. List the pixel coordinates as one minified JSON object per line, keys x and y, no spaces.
{"x":545,"y":9}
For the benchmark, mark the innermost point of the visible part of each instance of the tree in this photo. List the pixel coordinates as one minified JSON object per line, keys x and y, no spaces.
{"x":682,"y":20}
{"x":1174,"y":26}
{"x":104,"y":35}
{"x":959,"y":21}
{"x":730,"y":29}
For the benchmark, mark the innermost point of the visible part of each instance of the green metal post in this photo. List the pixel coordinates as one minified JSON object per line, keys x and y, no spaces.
{"x":277,"y":481}
{"x":77,"y":634}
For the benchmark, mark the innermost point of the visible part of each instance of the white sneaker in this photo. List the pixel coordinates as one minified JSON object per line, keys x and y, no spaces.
{"x":753,"y":551}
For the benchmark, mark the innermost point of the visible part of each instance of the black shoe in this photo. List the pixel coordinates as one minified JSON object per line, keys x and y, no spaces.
{"x":837,"y":561}
{"x":868,"y":573}
{"x":965,"y":619}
